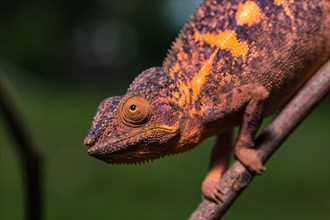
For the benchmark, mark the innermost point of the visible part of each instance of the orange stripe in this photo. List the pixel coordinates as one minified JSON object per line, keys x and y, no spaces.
{"x":226,"y":40}
{"x":199,"y":79}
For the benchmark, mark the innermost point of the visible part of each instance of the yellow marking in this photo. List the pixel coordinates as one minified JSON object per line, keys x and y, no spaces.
{"x":226,"y":40}
{"x":248,"y":13}
{"x":185,"y":98}
{"x":164,"y":128}
{"x":175,"y":94}
{"x":199,"y":79}
{"x":285,"y":4}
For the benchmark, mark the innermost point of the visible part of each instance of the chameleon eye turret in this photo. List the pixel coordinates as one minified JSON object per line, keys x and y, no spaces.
{"x":135,"y":111}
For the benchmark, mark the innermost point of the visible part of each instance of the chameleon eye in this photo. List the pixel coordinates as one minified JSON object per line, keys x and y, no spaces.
{"x":132,"y":107}
{"x":135,"y":111}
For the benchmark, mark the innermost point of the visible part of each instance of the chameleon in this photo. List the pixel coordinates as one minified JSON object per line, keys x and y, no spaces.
{"x":233,"y":64}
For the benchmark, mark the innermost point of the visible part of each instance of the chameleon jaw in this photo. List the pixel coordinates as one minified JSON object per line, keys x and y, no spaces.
{"x":135,"y":148}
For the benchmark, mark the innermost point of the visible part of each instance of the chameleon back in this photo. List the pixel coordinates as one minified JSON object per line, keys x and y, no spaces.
{"x":226,"y":44}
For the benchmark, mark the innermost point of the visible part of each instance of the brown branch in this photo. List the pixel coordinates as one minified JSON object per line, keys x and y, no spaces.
{"x":237,"y":178}
{"x":27,"y":154}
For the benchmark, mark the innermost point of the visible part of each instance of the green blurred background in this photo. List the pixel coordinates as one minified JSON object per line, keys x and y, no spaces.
{"x":63,"y":57}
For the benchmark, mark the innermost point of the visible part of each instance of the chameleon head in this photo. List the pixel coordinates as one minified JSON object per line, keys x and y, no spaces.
{"x":134,"y":128}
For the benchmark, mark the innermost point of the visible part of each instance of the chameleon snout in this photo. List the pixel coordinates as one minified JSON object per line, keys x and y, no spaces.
{"x":89,"y":141}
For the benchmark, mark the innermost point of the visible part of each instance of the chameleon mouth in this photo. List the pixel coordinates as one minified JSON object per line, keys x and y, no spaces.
{"x":133,"y":148}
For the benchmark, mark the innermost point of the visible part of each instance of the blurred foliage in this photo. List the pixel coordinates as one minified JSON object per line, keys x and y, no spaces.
{"x":63,"y":57}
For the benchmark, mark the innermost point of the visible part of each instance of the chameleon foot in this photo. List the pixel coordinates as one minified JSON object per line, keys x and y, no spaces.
{"x":211,"y":191}
{"x":249,"y":158}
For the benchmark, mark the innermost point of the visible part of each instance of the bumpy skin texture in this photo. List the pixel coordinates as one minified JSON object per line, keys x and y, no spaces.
{"x":234,"y":63}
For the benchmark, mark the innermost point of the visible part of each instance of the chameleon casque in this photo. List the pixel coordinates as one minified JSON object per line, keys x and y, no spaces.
{"x":234,"y":63}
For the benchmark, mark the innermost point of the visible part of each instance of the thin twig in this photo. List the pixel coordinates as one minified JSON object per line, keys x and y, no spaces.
{"x":237,"y":178}
{"x":27,"y":153}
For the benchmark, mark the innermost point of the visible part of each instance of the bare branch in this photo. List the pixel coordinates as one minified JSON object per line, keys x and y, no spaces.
{"x":237,"y":178}
{"x":27,"y":154}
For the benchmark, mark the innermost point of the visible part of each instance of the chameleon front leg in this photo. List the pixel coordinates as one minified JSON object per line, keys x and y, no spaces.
{"x":220,"y":157}
{"x":250,"y":101}
{"x":256,"y":97}
{"x":251,"y":122}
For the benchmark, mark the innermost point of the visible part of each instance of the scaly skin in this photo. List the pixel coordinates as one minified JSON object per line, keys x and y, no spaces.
{"x":234,"y":63}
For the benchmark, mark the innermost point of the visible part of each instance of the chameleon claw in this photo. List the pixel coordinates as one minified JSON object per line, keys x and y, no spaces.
{"x":211,"y":190}
{"x":219,"y":200}
{"x":220,"y":192}
{"x":263,"y":169}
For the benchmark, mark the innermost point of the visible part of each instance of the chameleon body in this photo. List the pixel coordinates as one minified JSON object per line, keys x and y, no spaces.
{"x":234,"y":63}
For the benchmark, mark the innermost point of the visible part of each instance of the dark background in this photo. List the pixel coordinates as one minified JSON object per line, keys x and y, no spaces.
{"x":61,"y":58}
